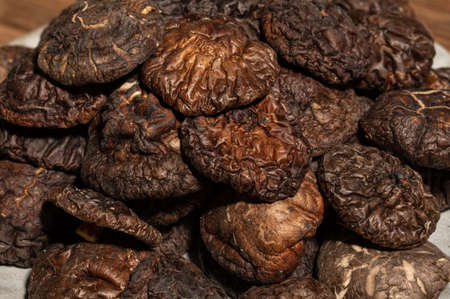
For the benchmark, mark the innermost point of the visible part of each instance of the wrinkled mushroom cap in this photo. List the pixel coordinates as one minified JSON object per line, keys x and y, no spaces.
{"x":262,"y":242}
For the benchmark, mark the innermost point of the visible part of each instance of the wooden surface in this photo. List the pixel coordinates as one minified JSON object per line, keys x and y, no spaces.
{"x":17,"y":17}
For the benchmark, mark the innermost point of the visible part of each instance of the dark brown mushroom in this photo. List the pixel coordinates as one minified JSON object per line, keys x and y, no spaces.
{"x":262,"y":242}
{"x":134,"y":151}
{"x":402,"y":52}
{"x":49,"y":148}
{"x":93,"y":207}
{"x":414,"y":124}
{"x":317,"y":36}
{"x":83,"y":271}
{"x":169,"y":276}
{"x":23,"y":190}
{"x":208,"y":65}
{"x":377,"y":196}
{"x":99,"y":41}
{"x":370,"y":7}
{"x":28,"y":98}
{"x":258,"y":150}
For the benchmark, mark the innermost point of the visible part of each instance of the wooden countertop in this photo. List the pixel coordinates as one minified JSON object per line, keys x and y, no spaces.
{"x":17,"y":17}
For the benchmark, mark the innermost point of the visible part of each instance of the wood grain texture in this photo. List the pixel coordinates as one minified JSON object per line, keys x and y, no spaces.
{"x":17,"y":17}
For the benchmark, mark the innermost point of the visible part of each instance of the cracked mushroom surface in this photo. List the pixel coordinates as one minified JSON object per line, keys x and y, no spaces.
{"x":52,"y":149}
{"x":133,"y":150}
{"x":414,"y":124}
{"x":28,"y":98}
{"x":401,"y":52}
{"x":363,"y":272}
{"x":313,"y":114}
{"x":83,"y":271}
{"x":377,"y":196}
{"x":205,"y":66}
{"x":291,"y":288}
{"x":93,"y":207}
{"x":99,"y":41}
{"x":258,"y":151}
{"x":317,"y":36}
{"x":263,"y":242}
{"x":23,"y":190}
{"x":169,"y":276}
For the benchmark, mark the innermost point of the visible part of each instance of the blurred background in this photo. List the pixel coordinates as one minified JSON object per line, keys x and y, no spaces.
{"x":18,"y":17}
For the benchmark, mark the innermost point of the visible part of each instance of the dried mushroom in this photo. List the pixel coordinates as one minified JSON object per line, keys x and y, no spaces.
{"x":82,"y":271}
{"x":363,"y":272}
{"x":134,"y":151}
{"x":377,"y":196}
{"x":175,"y":239}
{"x":291,"y":288}
{"x":23,"y":190}
{"x":402,"y":52}
{"x":207,"y":65}
{"x":51,"y":149}
{"x":167,"y":277}
{"x":370,"y":7}
{"x":319,"y":37}
{"x":93,"y":207}
{"x":27,"y":98}
{"x":99,"y":41}
{"x":262,"y":242}
{"x":414,"y":125}
{"x":258,"y":151}
{"x":9,"y":55}
{"x":438,"y":79}
{"x":196,"y":128}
